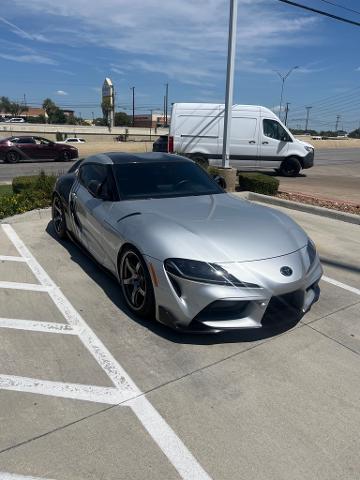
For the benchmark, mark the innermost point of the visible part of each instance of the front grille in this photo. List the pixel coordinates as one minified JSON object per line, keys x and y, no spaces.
{"x":284,"y":308}
{"x":222,"y":310}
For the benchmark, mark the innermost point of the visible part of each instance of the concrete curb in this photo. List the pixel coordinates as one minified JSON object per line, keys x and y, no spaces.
{"x":27,"y":216}
{"x":303,"y":207}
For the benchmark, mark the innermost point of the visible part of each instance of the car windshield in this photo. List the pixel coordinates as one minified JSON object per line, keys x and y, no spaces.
{"x":163,"y":180}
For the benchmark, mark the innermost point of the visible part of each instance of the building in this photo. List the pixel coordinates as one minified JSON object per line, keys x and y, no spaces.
{"x":147,"y":121}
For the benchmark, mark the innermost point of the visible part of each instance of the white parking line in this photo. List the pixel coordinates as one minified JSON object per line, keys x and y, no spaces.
{"x":75,"y":391}
{"x":32,"y":287}
{"x":14,"y":476}
{"x":167,"y":440}
{"x":7,"y":258}
{"x":341,"y":285}
{"x":35,"y":326}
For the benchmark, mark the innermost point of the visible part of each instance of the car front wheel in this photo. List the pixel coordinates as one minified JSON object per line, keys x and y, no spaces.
{"x":58,"y":217}
{"x":136,"y":284}
{"x":65,"y":156}
{"x":290,"y":167}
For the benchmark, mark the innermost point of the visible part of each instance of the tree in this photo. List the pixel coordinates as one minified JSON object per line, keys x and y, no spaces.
{"x":122,"y":119}
{"x":53,"y":112}
{"x":355,"y":133}
{"x":106,"y":107}
{"x":14,"y":108}
{"x":100,"y":122}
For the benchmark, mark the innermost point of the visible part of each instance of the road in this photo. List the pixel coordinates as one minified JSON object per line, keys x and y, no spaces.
{"x":336,"y":173}
{"x":89,"y":392}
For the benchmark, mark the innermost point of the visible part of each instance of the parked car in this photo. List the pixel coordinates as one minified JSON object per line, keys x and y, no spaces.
{"x":185,"y":251}
{"x":15,"y":149}
{"x":73,"y":140}
{"x":15,"y":120}
{"x":258,"y":138}
{"x":161,"y":144}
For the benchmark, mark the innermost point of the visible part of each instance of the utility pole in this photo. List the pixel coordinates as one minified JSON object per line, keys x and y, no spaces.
{"x":166,"y":102}
{"x":133,"y":105}
{"x":337,"y":122}
{"x":229,"y":83}
{"x":307,"y":117}
{"x":286,"y":112}
{"x":24,"y":100}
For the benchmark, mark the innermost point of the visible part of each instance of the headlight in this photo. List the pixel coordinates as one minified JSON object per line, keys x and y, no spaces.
{"x":311,"y":250}
{"x":203,"y":272}
{"x":308,"y":149}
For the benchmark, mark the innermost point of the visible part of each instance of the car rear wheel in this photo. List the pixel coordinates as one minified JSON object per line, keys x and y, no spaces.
{"x":290,"y":167}
{"x":12,"y":157}
{"x":136,"y":283}
{"x":58,"y":217}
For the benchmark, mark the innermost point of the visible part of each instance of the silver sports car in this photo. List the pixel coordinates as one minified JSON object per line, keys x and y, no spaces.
{"x":184,"y":251}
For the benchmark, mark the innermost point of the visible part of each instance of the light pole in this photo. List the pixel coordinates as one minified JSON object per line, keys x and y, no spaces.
{"x":283,"y":77}
{"x":133,"y":105}
{"x":229,"y":83}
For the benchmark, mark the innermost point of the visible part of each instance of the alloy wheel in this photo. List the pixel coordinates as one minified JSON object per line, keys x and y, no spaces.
{"x":133,"y":280}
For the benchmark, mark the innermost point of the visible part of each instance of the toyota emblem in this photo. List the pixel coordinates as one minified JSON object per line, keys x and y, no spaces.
{"x":286,"y":271}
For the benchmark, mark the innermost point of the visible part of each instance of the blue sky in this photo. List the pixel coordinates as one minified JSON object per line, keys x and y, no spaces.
{"x":64,"y":49}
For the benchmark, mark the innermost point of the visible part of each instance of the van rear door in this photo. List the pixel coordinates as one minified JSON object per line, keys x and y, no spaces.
{"x":197,"y":132}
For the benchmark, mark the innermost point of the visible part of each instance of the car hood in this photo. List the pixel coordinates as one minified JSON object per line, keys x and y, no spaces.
{"x":215,"y":228}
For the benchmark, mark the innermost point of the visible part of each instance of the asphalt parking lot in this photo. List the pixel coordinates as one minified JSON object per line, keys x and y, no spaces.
{"x":88,"y":392}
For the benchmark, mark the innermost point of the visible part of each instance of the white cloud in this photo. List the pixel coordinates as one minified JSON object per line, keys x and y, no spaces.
{"x":357,"y":69}
{"x":29,"y":58}
{"x":182,"y":39}
{"x":61,"y":92}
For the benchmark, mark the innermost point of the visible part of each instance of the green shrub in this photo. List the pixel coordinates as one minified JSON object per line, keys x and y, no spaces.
{"x":213,"y":170}
{"x":29,"y":193}
{"x":258,"y":182}
{"x":23,"y":202}
{"x":40,"y":182}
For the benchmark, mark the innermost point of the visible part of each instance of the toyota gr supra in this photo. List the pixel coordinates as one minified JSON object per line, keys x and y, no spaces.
{"x":183,"y":250}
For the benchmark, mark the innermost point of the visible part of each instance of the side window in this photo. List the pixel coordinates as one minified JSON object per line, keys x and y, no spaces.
{"x":101,"y":174}
{"x":273,"y":129}
{"x":25,"y":140}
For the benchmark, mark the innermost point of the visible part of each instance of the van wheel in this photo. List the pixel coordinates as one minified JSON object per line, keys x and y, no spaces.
{"x":290,"y":167}
{"x":200,"y":160}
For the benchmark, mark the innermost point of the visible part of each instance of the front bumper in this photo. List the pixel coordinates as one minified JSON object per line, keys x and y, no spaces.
{"x":308,"y":160}
{"x":193,"y":306}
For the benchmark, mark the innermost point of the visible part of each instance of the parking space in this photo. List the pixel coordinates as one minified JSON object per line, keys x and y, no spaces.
{"x":88,"y":392}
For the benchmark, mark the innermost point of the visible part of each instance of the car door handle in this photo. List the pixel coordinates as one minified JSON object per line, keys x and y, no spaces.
{"x":252,"y":141}
{"x":265,"y":143}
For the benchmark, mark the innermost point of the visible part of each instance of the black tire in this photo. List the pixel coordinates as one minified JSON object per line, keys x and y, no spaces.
{"x":136,"y":284}
{"x":290,"y":167}
{"x":58,"y":217}
{"x":12,"y":157}
{"x":200,"y":160}
{"x":65,"y":156}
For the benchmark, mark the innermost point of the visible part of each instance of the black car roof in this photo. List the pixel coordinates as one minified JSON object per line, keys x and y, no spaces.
{"x":119,"y":158}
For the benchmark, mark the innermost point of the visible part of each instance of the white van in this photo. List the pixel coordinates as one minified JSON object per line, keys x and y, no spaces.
{"x":258,"y":138}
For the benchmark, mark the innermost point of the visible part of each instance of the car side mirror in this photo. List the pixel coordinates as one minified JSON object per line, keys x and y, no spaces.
{"x":220,"y":181}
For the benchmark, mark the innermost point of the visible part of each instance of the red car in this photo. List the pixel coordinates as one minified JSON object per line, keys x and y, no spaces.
{"x":14,"y":149}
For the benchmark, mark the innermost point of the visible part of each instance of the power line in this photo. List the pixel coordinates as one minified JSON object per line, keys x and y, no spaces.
{"x":340,"y":6}
{"x":321,"y":12}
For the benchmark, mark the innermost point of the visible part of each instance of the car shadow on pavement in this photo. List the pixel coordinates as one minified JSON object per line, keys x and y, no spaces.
{"x":111,"y":288}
